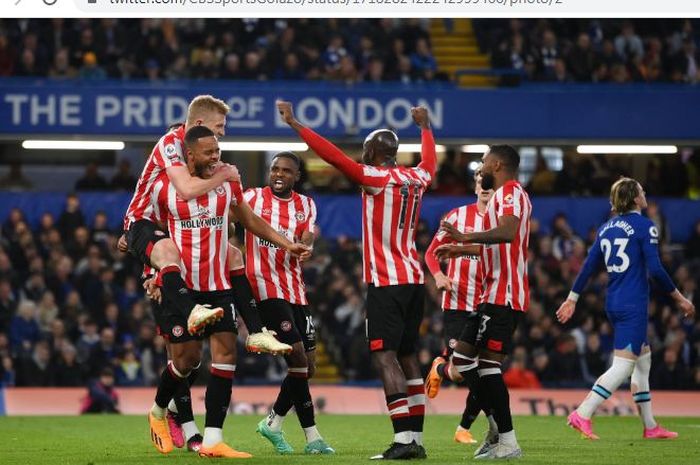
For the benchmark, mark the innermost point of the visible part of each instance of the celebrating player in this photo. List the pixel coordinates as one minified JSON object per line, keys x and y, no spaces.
{"x":628,"y":247}
{"x":199,"y":228}
{"x":485,"y":342}
{"x":461,"y":292}
{"x":278,"y":285}
{"x":151,"y":245}
{"x":391,"y":198}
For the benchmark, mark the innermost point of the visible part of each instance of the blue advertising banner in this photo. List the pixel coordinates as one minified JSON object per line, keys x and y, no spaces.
{"x":341,"y":215}
{"x":138,"y":108}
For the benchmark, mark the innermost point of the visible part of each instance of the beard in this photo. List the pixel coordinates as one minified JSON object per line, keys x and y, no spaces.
{"x":488,"y":181}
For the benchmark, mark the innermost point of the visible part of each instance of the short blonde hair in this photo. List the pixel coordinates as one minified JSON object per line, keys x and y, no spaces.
{"x":203,"y":105}
{"x":622,"y":195}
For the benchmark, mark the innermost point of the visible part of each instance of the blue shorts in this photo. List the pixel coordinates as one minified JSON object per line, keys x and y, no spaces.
{"x":630,"y":330}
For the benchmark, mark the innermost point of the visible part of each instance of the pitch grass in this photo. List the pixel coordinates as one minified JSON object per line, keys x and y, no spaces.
{"x":97,"y":440}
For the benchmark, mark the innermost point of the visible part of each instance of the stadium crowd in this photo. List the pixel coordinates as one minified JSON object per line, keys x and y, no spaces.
{"x":592,"y":51}
{"x":349,"y":51}
{"x":71,"y":305}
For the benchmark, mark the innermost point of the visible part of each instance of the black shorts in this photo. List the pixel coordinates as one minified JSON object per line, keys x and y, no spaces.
{"x":394,"y":315}
{"x":494,"y":328}
{"x":173,"y":326}
{"x":141,"y":237}
{"x":453,"y":324}
{"x":291,"y":322}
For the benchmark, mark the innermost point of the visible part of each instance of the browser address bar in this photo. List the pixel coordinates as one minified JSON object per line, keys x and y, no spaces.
{"x":353,"y":8}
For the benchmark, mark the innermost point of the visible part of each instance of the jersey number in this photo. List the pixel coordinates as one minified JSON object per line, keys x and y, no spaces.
{"x":404,"y":203}
{"x":607,"y":247}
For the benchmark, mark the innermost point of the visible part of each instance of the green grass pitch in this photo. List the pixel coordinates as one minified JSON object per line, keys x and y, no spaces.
{"x":96,"y":440}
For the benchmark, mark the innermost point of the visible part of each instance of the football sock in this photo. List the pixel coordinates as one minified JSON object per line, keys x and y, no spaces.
{"x":170,"y":380}
{"x":397,"y":404}
{"x":183,"y":399}
{"x":212,"y":436}
{"x":618,"y":373}
{"x":244,"y":301}
{"x":312,"y":434}
{"x":471,"y":410}
{"x":190,"y":429}
{"x":284,"y":400}
{"x":218,"y":396}
{"x":495,"y":388}
{"x":640,"y":389}
{"x":275,"y":420}
{"x":175,"y":290}
{"x":301,"y":396}
{"x":415,"y":390}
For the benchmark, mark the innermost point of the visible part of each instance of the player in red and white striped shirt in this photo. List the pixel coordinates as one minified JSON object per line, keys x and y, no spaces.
{"x":505,"y":297}
{"x":199,"y":227}
{"x":461,"y":293}
{"x":278,"y":285}
{"x":391,"y":200}
{"x":141,"y":235}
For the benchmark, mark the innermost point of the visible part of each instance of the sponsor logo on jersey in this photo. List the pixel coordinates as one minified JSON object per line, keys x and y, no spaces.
{"x":202,"y":223}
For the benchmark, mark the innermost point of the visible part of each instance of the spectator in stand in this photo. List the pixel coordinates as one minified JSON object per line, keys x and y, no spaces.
{"x":231,"y":67}
{"x":15,"y":180}
{"x":71,"y":218}
{"x":518,"y":376}
{"x":102,"y":397}
{"x":546,"y":56}
{"x":91,"y":70}
{"x":253,"y":67}
{"x":581,"y":60}
{"x":67,"y":372}
{"x":7,"y":55}
{"x":61,"y":68}
{"x":34,"y":368}
{"x":423,"y":62}
{"x":24,"y":328}
{"x":628,"y":44}
{"x":669,"y":373}
{"x":123,"y":179}
{"x":686,"y":63}
{"x":91,"y":180}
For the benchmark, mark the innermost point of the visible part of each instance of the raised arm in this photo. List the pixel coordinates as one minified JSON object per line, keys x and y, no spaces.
{"x":428,"y":155}
{"x":325,"y":149}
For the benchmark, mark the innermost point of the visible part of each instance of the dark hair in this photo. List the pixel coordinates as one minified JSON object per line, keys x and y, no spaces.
{"x":507,"y":154}
{"x":196,"y":133}
{"x":290,"y":155}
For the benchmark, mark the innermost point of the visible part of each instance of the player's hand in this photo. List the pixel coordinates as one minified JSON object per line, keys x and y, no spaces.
{"x":686,"y":307}
{"x":152,"y":290}
{"x":420,"y":116}
{"x":442,"y":282}
{"x":301,"y":251}
{"x":286,"y":111}
{"x":447,"y":251}
{"x":452,"y":231}
{"x":566,"y":311}
{"x":122,"y":245}
{"x":228,"y":172}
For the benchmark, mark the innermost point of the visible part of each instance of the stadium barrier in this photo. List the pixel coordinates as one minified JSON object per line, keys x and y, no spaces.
{"x":341,"y":215}
{"x":257,"y":400}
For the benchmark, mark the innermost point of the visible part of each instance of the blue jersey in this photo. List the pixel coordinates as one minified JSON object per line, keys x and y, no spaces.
{"x":628,"y":247}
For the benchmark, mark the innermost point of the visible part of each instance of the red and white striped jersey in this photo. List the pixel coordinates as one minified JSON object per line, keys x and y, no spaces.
{"x":199,"y":228}
{"x":274,"y":273}
{"x":389,"y":220}
{"x":167,"y":152}
{"x":505,"y":265}
{"x":465,"y":272}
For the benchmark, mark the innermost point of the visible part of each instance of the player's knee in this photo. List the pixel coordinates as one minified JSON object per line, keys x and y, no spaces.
{"x":384,"y":359}
{"x":465,"y":349}
{"x":225,"y":355}
{"x":234,"y":258}
{"x":164,"y":253}
{"x":185,"y":365}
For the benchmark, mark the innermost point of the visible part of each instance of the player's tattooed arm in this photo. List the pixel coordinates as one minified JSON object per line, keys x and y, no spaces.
{"x":190,"y":187}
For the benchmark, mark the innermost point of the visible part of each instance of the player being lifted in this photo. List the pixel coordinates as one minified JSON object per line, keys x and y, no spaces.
{"x":391,"y":199}
{"x":627,"y":245}
{"x":278,"y":285}
{"x":152,"y":246}
{"x":461,"y":293}
{"x":484,"y":344}
{"x":199,"y":228}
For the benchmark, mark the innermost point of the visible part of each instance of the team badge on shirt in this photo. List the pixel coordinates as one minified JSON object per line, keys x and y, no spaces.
{"x":300,"y":216}
{"x":178,"y":331}
{"x":508,"y":199}
{"x":220,"y":191}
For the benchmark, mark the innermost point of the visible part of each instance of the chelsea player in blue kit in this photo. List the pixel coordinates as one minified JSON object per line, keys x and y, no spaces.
{"x":628,"y":247}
